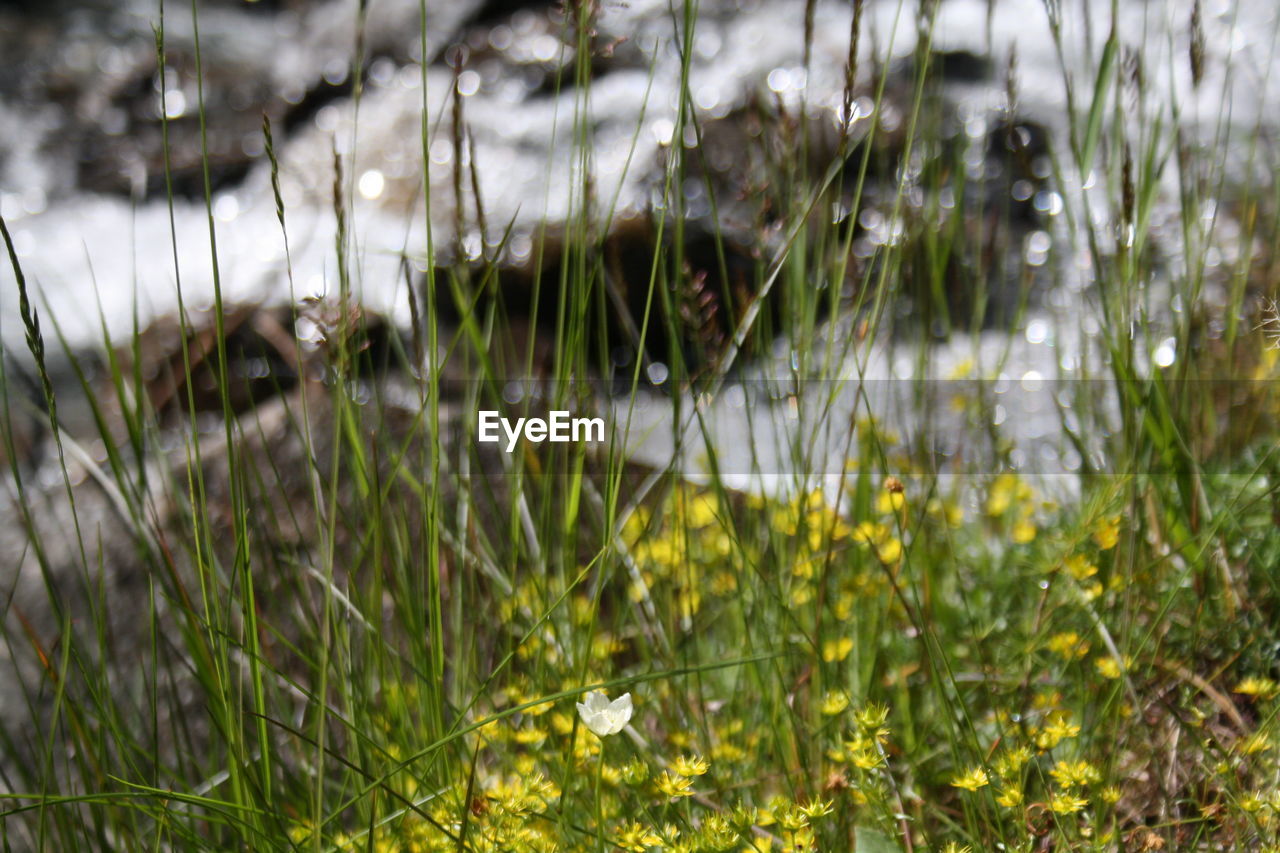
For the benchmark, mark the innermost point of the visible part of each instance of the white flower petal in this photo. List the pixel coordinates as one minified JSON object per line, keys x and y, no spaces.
{"x":620,"y":711}
{"x":603,"y":717}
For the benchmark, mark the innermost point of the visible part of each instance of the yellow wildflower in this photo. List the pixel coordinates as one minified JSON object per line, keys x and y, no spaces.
{"x":703,"y":510}
{"x":889,"y":551}
{"x":1064,"y":804}
{"x":890,"y":502}
{"x":873,"y":716}
{"x":1106,"y":533}
{"x":1079,"y":567}
{"x":1257,"y":688}
{"x":1074,"y":774}
{"x":869,"y":532}
{"x":971,"y":780}
{"x":1254,"y":743}
{"x":950,"y":513}
{"x":637,"y":837}
{"x":801,"y":841}
{"x":692,"y":765}
{"x":1067,"y":645}
{"x":817,"y":808}
{"x":836,"y":650}
{"x":866,"y":757}
{"x":1010,"y":761}
{"x":834,"y":702}
{"x":1009,"y":798}
{"x":790,"y":817}
{"x":1251,"y":803}
{"x":1109,"y":667}
{"x":1023,"y":532}
{"x":1005,"y":491}
{"x":635,"y":772}
{"x":530,"y":737}
{"x":1056,"y":729}
{"x":674,"y":786}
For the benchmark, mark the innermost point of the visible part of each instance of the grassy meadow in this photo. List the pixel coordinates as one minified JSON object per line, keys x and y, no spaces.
{"x":324,"y":617}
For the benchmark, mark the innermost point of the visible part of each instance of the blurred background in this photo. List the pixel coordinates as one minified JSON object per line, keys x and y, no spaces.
{"x":85,"y":105}
{"x":81,"y":95}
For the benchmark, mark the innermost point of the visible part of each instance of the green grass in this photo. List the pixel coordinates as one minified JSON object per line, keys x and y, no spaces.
{"x":337,"y":623}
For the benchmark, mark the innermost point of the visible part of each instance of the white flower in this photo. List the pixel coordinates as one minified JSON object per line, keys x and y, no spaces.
{"x":604,"y":717}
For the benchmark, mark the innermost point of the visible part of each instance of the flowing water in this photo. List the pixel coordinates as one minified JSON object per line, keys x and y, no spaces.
{"x":82,"y":184}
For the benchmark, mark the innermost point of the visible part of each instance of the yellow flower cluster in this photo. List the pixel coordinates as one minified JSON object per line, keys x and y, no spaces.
{"x":1067,"y":645}
{"x":682,"y":549}
{"x":1014,"y":500}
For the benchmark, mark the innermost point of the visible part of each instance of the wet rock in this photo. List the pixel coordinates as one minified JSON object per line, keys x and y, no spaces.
{"x":262,"y":357}
{"x":961,"y":66}
{"x":702,"y":285}
{"x":736,"y":194}
{"x":493,"y":11}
